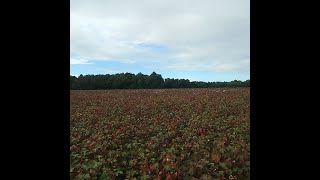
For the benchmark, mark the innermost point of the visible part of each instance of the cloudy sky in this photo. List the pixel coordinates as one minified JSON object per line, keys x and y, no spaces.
{"x":203,"y":40}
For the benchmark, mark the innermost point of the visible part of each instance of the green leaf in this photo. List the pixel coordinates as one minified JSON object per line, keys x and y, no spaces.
{"x":145,"y":177}
{"x":223,"y":165}
{"x":86,"y":176}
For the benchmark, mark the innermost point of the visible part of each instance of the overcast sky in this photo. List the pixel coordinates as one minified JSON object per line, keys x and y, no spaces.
{"x":203,"y":40}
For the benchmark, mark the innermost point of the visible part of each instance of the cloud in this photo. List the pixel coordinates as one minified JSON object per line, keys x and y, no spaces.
{"x":204,"y":35}
{"x":79,"y":61}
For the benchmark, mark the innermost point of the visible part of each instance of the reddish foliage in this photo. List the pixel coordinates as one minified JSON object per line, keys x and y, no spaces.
{"x":162,"y":134}
{"x":169,"y":177}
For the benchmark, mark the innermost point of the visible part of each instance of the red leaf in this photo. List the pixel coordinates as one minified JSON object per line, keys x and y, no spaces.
{"x":202,"y":135}
{"x":169,"y":177}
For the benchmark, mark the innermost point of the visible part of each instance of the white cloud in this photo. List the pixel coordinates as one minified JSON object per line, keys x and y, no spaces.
{"x":208,"y":35}
{"x":79,"y":61}
{"x":76,"y":75}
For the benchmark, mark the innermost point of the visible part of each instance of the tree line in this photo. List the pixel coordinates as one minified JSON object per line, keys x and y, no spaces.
{"x":142,"y":81}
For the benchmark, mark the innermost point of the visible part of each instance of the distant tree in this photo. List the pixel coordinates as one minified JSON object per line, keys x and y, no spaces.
{"x":141,"y":81}
{"x":74,"y":84}
{"x":247,"y":83}
{"x":155,"y":80}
